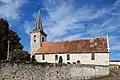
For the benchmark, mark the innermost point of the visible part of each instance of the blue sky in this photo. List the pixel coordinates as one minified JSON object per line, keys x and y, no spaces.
{"x":66,"y":19}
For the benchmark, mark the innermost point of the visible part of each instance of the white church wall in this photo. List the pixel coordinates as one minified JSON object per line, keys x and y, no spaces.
{"x":115,"y":63}
{"x":85,"y":58}
{"x":100,"y":58}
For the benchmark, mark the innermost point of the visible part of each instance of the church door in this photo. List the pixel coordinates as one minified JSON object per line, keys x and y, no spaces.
{"x":60,"y":59}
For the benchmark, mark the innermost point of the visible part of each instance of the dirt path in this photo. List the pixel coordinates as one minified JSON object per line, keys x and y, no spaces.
{"x":110,"y":78}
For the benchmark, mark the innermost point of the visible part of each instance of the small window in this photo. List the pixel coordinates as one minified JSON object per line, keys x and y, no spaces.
{"x":43,"y":39}
{"x":43,"y":57}
{"x":34,"y":36}
{"x":34,"y":40}
{"x":68,"y":57}
{"x":68,"y":63}
{"x":78,"y":61}
{"x":56,"y":57}
{"x":93,"y":56}
{"x":74,"y":62}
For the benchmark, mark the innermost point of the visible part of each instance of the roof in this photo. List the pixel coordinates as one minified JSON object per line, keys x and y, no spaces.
{"x":76,"y":46}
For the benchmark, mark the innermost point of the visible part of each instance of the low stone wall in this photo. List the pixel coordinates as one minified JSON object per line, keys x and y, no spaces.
{"x":45,"y":71}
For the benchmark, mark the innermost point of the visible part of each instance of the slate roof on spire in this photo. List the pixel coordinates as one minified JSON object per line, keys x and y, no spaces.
{"x":38,"y":25}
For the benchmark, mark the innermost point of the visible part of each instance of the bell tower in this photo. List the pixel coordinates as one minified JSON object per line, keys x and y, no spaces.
{"x":37,"y":36}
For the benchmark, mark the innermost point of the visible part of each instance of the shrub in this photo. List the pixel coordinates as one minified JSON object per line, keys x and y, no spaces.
{"x":19,"y":55}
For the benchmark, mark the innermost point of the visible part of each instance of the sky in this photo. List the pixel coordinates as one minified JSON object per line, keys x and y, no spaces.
{"x":66,"y":20}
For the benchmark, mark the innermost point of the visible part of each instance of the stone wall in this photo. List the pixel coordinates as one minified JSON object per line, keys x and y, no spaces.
{"x":45,"y":71}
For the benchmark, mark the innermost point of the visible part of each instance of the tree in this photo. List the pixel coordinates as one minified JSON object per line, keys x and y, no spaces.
{"x":33,"y":58}
{"x":5,"y":35}
{"x":19,"y":55}
{"x":3,"y":38}
{"x":14,"y":41}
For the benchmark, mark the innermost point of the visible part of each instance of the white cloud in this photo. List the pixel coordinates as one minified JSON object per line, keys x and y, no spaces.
{"x":28,"y":26}
{"x":72,"y":37}
{"x":114,"y":42}
{"x":104,"y":28}
{"x":115,"y":47}
{"x":63,"y":17}
{"x":11,"y":8}
{"x":6,"y":1}
{"x":34,"y":15}
{"x":117,"y":3}
{"x":106,"y":22}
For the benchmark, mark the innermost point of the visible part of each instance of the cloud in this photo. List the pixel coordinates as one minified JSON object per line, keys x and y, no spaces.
{"x":114,"y":42}
{"x":116,"y":47}
{"x":11,"y":9}
{"x":72,"y":37}
{"x":65,"y":16}
{"x":28,"y":26}
{"x":34,"y":15}
{"x":117,"y":3}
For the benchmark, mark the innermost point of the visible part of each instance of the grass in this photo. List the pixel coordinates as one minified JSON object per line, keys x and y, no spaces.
{"x":96,"y":78}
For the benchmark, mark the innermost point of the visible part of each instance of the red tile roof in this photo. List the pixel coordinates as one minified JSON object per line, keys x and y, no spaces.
{"x":75,"y":46}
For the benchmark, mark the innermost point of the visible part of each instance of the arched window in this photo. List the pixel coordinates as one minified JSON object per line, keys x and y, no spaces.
{"x":34,"y":36}
{"x":43,"y":57}
{"x":34,"y":41}
{"x":68,"y":57}
{"x":56,"y":57}
{"x":93,"y":56}
{"x":43,"y":39}
{"x":78,"y":61}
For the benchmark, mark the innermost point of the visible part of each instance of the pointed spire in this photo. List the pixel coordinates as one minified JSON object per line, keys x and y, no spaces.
{"x":38,"y":25}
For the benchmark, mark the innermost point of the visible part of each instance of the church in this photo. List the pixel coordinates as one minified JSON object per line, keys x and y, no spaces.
{"x":94,"y":51}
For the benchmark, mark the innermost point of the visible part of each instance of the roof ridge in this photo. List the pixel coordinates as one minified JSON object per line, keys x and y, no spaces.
{"x":75,"y":39}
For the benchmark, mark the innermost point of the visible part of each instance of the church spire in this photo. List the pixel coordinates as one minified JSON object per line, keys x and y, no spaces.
{"x":38,"y":25}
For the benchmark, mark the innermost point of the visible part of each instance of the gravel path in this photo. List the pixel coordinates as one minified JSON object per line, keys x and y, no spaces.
{"x":110,"y":78}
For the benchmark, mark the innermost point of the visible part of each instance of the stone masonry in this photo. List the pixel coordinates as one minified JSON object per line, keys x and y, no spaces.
{"x":45,"y":71}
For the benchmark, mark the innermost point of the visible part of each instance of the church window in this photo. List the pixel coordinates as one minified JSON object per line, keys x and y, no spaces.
{"x":78,"y":61}
{"x":43,"y":57}
{"x":43,"y":39}
{"x":68,"y":57}
{"x":34,"y":36}
{"x":93,"y":56}
{"x":56,"y":57}
{"x":34,"y":40}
